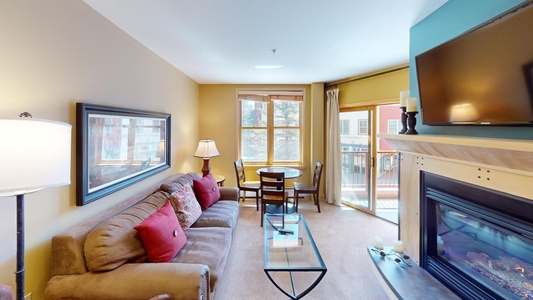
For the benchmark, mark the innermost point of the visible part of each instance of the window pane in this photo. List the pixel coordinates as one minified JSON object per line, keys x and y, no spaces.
{"x":286,"y":113}
{"x":254,"y":113}
{"x":345,"y":127}
{"x":254,"y":145}
{"x":286,"y":144}
{"x":363,"y":127}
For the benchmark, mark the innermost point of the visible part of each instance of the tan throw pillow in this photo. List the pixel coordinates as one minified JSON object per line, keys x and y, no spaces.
{"x":186,"y":206}
{"x":115,"y":242}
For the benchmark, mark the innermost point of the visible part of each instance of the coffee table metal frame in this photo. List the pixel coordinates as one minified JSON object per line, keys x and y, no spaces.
{"x":300,"y":256}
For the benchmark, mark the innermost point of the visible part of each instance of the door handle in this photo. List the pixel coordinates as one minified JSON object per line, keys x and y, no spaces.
{"x":372,"y":161}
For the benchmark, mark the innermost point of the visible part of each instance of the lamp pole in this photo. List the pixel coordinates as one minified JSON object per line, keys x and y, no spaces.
{"x":20,"y":247}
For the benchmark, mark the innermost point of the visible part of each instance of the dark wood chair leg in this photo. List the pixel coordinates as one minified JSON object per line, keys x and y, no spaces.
{"x":257,"y":201}
{"x":262,"y":213}
{"x":317,"y":201}
{"x":296,"y":200}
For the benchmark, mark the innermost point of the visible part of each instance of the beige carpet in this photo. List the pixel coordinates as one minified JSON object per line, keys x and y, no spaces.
{"x":341,"y":234}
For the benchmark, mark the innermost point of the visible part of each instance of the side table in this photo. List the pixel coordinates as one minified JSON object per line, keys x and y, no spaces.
{"x":220,"y":179}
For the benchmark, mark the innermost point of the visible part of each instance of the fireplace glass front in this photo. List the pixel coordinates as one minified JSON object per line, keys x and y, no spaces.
{"x":479,"y":251}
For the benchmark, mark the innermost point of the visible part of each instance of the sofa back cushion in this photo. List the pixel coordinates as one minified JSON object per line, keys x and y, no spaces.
{"x":115,"y":242}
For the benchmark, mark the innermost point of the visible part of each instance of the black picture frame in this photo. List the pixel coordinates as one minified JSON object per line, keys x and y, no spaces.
{"x":117,"y":147}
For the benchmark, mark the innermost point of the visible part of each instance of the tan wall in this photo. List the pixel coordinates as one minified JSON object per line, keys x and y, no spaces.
{"x":219,"y":121}
{"x":374,"y":90}
{"x":52,"y":55}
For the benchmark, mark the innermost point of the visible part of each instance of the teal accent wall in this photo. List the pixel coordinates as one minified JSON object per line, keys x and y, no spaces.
{"x":450,"y":20}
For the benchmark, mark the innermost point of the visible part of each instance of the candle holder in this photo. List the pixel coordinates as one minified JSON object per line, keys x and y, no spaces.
{"x":411,"y":122}
{"x":403,"y":120}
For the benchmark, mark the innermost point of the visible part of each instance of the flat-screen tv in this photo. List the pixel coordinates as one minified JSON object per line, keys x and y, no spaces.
{"x":483,"y":77}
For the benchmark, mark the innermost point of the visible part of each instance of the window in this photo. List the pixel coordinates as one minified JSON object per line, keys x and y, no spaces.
{"x":363,"y":127}
{"x":345,"y":127}
{"x":271,"y":126}
{"x":393,"y":126}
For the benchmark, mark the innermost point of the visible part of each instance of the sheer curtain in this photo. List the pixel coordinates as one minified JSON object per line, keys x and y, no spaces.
{"x":333,"y":159}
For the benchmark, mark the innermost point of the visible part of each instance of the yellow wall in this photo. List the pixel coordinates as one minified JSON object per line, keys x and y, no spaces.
{"x":219,"y":121}
{"x":373,"y":90}
{"x":52,"y":55}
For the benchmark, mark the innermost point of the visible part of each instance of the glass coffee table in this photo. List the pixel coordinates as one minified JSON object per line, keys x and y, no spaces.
{"x":292,"y":260}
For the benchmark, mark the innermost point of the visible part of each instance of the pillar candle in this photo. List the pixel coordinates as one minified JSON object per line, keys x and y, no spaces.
{"x":378,"y":242}
{"x":411,"y":104}
{"x":398,"y":247}
{"x":403,"y":98}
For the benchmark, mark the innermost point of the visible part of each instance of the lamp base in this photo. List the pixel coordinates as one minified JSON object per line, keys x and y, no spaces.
{"x":206,"y":168}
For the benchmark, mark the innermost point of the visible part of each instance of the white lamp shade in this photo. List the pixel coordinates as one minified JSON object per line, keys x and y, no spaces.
{"x":34,"y":154}
{"x":206,"y":149}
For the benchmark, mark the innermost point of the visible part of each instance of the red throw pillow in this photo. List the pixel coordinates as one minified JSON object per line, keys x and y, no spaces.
{"x":206,"y":190}
{"x":161,"y":235}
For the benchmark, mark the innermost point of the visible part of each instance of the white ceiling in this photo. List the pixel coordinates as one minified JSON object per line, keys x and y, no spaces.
{"x":221,"y":41}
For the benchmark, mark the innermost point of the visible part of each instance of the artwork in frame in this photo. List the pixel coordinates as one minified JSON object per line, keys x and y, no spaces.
{"x":116,"y":147}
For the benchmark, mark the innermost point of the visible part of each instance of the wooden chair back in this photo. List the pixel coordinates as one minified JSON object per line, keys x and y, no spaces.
{"x":239,"y":172}
{"x":317,"y":175}
{"x":272,"y":187}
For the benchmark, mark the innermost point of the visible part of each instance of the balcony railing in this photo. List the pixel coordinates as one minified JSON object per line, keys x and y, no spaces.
{"x":355,"y":171}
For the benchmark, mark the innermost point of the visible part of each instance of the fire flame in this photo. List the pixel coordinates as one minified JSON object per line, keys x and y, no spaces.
{"x":518,"y":268}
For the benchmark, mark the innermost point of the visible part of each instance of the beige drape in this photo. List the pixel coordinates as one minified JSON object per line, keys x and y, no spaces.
{"x":333,"y":159}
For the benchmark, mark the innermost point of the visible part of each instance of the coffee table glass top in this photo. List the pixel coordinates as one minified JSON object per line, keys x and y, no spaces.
{"x":289,"y":247}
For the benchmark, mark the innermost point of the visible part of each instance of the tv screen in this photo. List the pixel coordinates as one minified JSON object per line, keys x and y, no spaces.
{"x":483,"y":77}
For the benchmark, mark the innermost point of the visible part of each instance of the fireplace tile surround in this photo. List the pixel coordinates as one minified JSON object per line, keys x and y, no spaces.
{"x":498,"y":164}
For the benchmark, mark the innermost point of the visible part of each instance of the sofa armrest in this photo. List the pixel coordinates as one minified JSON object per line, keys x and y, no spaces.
{"x":229,"y":193}
{"x":134,"y":281}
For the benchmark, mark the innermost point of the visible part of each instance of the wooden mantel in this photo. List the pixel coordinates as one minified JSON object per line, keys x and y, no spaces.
{"x":505,"y":165}
{"x":503,"y":153}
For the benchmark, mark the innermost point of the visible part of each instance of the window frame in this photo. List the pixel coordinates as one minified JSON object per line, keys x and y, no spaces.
{"x":269,"y":93}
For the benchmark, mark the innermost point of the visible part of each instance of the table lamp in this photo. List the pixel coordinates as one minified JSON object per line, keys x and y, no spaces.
{"x":35,"y":154}
{"x":206,"y":149}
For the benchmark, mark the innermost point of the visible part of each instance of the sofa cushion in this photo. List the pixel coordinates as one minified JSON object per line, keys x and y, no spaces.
{"x":206,"y":190}
{"x":180,"y":182}
{"x":186,"y":206}
{"x":207,"y":246}
{"x":115,"y":242}
{"x":161,"y":235}
{"x":224,"y":213}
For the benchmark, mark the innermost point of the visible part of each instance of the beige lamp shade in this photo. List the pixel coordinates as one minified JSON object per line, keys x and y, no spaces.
{"x":34,"y":154}
{"x":206,"y":149}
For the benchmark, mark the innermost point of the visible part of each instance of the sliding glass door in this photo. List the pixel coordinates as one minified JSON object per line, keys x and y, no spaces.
{"x":356,"y":157}
{"x":369,"y":163}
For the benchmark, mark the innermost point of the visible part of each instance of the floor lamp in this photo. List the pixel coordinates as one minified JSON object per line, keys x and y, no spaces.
{"x":206,"y":149}
{"x":35,"y":154}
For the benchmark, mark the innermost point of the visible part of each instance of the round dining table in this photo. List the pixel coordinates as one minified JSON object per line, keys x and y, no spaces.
{"x":290,"y":173}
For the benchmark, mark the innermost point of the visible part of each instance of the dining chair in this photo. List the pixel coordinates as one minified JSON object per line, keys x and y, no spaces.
{"x":310,"y":189}
{"x":272,"y":191}
{"x":246,"y":186}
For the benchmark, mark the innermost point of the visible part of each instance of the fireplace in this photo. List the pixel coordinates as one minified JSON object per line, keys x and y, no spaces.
{"x":476,"y":241}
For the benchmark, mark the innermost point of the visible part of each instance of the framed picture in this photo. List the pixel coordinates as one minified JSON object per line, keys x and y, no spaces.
{"x":116,"y":147}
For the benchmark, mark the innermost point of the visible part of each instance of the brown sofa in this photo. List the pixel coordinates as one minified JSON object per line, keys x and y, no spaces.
{"x":123,"y":271}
